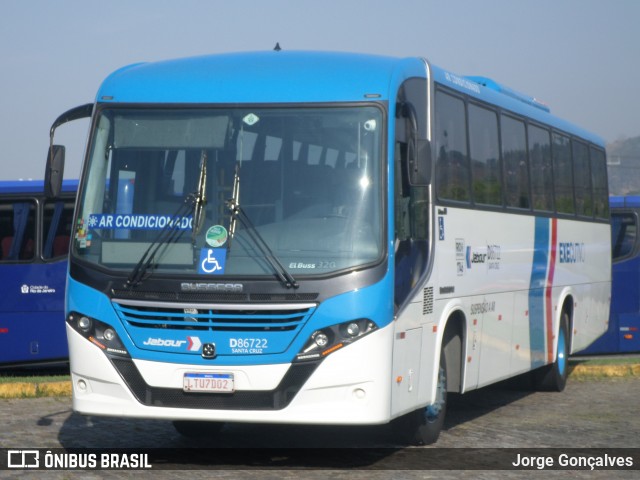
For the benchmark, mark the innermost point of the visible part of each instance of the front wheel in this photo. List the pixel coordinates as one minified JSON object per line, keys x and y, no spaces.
{"x":554,"y":377}
{"x":423,"y":426}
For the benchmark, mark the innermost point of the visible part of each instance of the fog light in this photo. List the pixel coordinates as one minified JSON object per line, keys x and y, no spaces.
{"x":84,"y":324}
{"x":353,"y":329}
{"x":109,"y":334}
{"x":82,"y":385}
{"x":321,"y":339}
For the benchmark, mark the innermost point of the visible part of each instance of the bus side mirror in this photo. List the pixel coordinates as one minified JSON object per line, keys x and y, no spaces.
{"x":420,"y":164}
{"x":54,"y":172}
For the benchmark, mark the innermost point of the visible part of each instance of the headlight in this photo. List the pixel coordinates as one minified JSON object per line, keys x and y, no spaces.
{"x":327,"y":340}
{"x":99,"y":333}
{"x":84,"y":324}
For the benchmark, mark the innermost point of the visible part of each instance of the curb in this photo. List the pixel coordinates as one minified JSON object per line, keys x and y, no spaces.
{"x":63,"y":389}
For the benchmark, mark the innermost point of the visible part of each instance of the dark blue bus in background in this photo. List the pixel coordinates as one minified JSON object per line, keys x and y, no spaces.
{"x":34,"y":242}
{"x":623,"y":334}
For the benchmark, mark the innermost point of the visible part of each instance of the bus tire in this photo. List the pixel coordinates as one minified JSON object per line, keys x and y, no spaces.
{"x":553,"y":377}
{"x":197,"y":429}
{"x":423,"y":426}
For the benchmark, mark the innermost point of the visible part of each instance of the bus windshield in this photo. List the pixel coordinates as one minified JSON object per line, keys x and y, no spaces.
{"x":167,"y":186}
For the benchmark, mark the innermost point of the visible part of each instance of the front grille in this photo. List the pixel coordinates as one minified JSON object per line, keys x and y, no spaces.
{"x":276,"y":399}
{"x":210,"y":317}
{"x":174,"y":296}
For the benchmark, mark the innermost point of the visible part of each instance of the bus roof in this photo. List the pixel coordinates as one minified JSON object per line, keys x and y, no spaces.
{"x":303,"y":76}
{"x":250,"y":77}
{"x":33,"y":186}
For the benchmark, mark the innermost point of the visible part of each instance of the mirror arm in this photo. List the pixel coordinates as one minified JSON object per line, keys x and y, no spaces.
{"x":55,"y":157}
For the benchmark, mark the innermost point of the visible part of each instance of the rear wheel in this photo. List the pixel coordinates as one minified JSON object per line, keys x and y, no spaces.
{"x":197,"y":429}
{"x":423,"y":426}
{"x":554,"y":377}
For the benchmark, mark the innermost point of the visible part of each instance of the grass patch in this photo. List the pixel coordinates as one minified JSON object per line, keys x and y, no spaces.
{"x":605,"y":366}
{"x":34,"y":382}
{"x":34,"y":379}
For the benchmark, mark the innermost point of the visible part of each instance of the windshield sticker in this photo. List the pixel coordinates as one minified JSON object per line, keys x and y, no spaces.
{"x":139,"y":222}
{"x":251,"y":119}
{"x":216,"y":236}
{"x":82,"y":236}
{"x":212,"y":261}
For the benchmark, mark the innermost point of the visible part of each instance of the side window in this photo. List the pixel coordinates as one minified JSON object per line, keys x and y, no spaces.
{"x":599,"y":182}
{"x":485,"y":157}
{"x":563,"y":174}
{"x":58,"y":218}
{"x":514,"y":158}
{"x":17,"y":230}
{"x":410,"y":201}
{"x":582,"y":175}
{"x":624,"y":234}
{"x":541,"y":169}
{"x":452,"y":161}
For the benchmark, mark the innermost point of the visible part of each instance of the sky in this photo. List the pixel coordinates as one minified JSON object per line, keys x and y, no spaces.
{"x":580,"y":57}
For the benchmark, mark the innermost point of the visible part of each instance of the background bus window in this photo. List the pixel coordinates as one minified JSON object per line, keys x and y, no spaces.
{"x":624,"y":233}
{"x":58,"y":218}
{"x":485,"y":156}
{"x":17,"y":230}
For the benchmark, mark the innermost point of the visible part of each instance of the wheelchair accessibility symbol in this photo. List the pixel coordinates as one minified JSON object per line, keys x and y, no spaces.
{"x":212,"y":261}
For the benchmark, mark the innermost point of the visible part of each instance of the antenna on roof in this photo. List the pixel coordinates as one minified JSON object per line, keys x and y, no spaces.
{"x":277,"y":47}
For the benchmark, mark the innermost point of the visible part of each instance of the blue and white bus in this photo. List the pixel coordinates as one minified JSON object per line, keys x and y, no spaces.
{"x":34,"y":241}
{"x":327,"y":238}
{"x":623,"y":334}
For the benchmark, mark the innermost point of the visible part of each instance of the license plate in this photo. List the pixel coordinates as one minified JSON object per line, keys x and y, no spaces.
{"x":208,"y":382}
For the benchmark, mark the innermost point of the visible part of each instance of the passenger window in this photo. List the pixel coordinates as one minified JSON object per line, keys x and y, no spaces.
{"x":452,"y":161}
{"x":563,"y":174}
{"x":582,"y":173}
{"x":541,"y":169}
{"x":485,"y":157}
{"x":599,"y":182}
{"x":514,"y":158}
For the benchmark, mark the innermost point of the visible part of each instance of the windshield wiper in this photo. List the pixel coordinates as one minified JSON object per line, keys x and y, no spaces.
{"x":170,"y":233}
{"x":200,"y":198}
{"x":193,"y":203}
{"x":237,"y":213}
{"x":282,"y":273}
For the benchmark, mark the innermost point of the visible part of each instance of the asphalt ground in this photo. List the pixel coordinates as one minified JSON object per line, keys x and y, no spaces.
{"x":597,"y":411}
